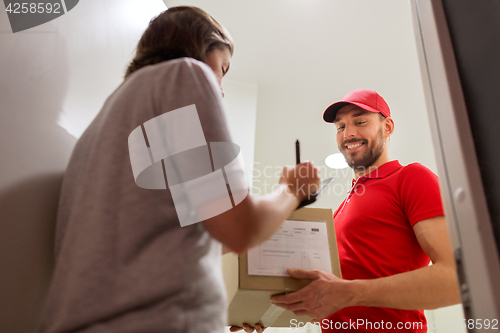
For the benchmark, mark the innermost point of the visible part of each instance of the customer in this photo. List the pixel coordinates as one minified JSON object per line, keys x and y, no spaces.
{"x":123,"y":261}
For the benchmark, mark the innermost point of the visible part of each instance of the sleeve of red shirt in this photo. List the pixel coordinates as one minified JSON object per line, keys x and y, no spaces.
{"x":419,"y":193}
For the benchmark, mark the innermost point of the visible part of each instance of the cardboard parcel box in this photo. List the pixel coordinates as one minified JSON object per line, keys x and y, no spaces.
{"x":306,"y":239}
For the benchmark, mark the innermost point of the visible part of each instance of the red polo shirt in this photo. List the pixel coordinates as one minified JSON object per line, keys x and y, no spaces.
{"x":375,"y":239}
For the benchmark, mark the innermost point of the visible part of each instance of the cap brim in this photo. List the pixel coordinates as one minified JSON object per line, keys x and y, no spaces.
{"x":331,"y":112}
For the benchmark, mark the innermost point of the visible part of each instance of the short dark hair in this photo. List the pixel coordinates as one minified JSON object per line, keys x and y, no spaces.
{"x":183,"y":31}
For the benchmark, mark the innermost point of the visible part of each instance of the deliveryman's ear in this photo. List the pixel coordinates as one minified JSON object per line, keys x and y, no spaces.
{"x":388,"y":126}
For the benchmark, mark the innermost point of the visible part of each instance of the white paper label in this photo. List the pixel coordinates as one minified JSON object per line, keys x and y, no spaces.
{"x":297,"y":244}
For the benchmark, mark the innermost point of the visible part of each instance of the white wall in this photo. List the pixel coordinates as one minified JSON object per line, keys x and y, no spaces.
{"x":446,"y":320}
{"x":241,"y":111}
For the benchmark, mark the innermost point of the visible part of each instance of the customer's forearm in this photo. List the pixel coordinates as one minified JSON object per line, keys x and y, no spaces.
{"x":269,"y":213}
{"x":253,"y":220}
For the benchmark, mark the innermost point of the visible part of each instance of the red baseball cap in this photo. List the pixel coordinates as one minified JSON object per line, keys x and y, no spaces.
{"x":368,"y":100}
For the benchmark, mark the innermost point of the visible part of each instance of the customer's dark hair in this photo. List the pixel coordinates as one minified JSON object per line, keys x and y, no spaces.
{"x":178,"y":32}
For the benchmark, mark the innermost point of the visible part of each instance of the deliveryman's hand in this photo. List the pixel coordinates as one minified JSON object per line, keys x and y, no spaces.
{"x":326,"y":294}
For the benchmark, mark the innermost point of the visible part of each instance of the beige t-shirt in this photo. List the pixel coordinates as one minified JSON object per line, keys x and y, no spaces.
{"x":123,"y":262}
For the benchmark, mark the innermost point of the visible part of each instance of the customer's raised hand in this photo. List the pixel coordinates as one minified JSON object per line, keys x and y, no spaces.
{"x":302,"y":180}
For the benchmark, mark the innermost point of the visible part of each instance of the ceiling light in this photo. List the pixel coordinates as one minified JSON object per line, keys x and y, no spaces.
{"x":336,"y":161}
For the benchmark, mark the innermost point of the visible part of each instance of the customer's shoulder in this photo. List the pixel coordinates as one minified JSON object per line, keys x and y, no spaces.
{"x":181,"y":67}
{"x":183,"y":64}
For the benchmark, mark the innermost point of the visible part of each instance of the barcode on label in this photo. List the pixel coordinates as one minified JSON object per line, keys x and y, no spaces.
{"x":315,"y":229}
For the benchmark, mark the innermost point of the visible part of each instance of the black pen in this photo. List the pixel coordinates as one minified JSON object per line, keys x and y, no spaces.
{"x":297,"y":151}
